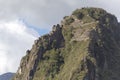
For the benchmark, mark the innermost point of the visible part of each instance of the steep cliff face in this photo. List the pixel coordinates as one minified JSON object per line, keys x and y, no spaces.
{"x":85,"y":46}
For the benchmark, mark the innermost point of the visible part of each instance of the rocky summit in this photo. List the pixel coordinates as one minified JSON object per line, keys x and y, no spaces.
{"x":85,"y":46}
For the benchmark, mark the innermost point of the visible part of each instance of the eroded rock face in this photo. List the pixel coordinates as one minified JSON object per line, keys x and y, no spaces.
{"x":84,"y":47}
{"x":30,"y":62}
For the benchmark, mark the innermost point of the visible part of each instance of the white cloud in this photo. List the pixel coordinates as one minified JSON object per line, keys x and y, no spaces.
{"x":45,"y":13}
{"x":15,"y":39}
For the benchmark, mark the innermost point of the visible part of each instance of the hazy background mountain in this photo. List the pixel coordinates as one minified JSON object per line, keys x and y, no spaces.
{"x":6,"y":76}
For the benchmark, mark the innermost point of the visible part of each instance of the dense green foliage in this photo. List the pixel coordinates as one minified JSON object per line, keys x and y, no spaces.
{"x":49,"y":65}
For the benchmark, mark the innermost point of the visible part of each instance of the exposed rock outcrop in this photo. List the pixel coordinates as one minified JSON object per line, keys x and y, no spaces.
{"x":86,"y":46}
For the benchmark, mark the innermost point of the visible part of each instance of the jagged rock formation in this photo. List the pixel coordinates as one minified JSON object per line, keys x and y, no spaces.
{"x":85,"y":46}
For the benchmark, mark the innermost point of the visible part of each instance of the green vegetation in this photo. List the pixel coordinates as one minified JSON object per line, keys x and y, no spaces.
{"x":74,"y":54}
{"x":78,"y":13}
{"x":97,"y":13}
{"x":90,"y":49}
{"x":50,"y":65}
{"x":89,"y":14}
{"x":68,"y":20}
{"x":63,"y":63}
{"x":67,"y":33}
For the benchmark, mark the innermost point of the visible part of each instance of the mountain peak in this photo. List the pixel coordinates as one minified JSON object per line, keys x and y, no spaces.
{"x":85,"y":46}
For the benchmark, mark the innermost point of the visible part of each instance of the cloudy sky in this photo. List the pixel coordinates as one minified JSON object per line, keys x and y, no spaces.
{"x":22,"y":21}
